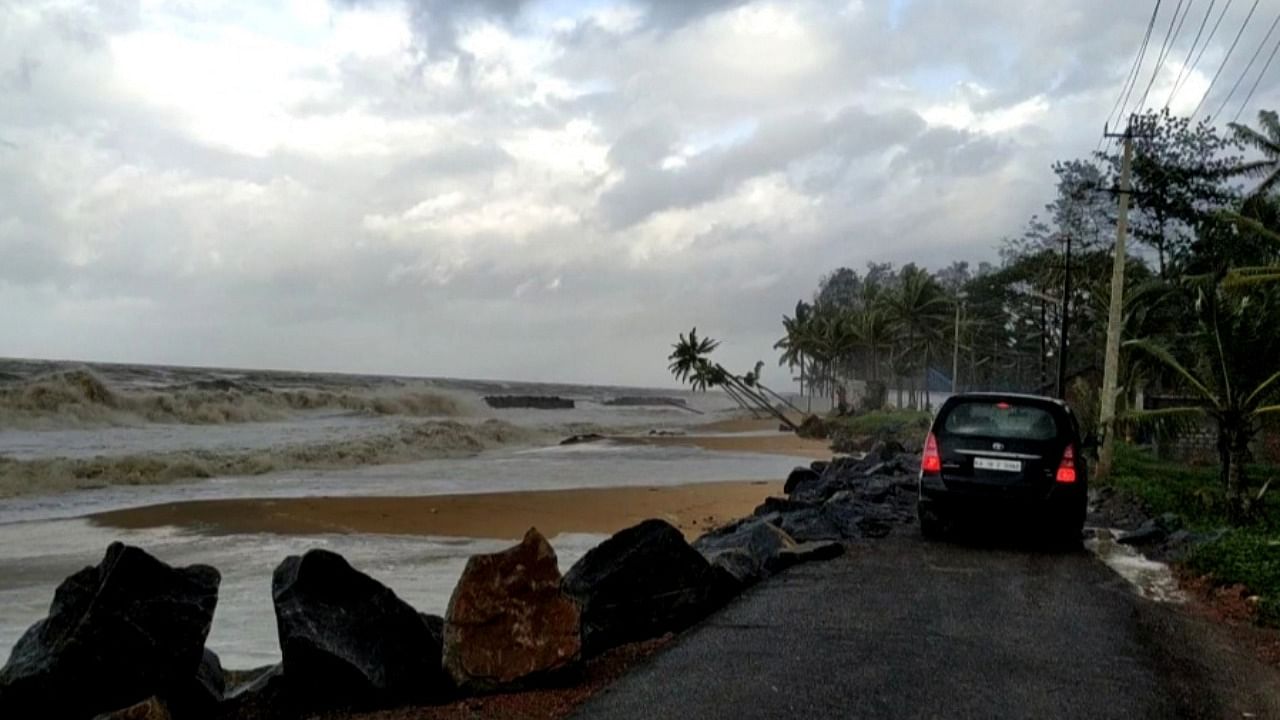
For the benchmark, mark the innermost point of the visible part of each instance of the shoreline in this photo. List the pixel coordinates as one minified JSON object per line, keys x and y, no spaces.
{"x":693,"y":508}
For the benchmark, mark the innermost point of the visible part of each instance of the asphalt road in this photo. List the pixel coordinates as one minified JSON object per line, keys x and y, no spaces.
{"x":905,"y":628}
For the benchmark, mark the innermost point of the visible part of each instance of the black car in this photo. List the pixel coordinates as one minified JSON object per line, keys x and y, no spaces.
{"x":1004,"y":452}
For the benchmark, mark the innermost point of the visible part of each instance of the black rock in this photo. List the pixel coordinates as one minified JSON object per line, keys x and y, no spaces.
{"x":772,"y":505}
{"x":1169,"y":522}
{"x":886,"y":450}
{"x":199,"y":695}
{"x":748,"y":550}
{"x":812,"y":552}
{"x":117,"y":633}
{"x":1149,"y":533}
{"x":348,"y":641}
{"x":800,"y":476}
{"x":819,"y":466}
{"x":641,"y":583}
{"x":263,"y":694}
{"x":536,"y":402}
{"x":844,"y":512}
{"x":579,"y":439}
{"x":809,"y":525}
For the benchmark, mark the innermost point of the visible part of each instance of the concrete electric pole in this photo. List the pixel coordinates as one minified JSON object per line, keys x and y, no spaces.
{"x":1111,"y":364}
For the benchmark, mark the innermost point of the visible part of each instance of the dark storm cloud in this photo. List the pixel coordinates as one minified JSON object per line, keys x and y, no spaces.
{"x":508,"y":213}
{"x":648,"y":187}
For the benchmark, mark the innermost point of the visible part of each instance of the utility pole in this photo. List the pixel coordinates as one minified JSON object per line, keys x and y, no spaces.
{"x":1066,"y":323}
{"x":1111,"y":365}
{"x":955,"y":351}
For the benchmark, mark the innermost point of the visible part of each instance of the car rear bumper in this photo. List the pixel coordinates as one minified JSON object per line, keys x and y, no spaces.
{"x":960,"y":497}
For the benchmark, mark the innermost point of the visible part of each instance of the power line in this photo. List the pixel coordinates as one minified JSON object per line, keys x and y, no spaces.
{"x":1257,"y":82}
{"x":1207,"y":41}
{"x":1133,"y":74}
{"x":1169,"y":35}
{"x":1225,"y":59}
{"x":1248,"y":67}
{"x":1190,"y":51}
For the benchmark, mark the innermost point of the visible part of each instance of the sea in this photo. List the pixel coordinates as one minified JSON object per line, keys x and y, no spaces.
{"x":82,"y":438}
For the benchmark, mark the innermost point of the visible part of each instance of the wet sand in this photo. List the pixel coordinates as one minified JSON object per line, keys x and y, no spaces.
{"x":742,"y":435}
{"x":692,"y":508}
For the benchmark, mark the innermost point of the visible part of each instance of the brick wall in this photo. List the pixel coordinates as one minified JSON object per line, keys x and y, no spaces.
{"x":1200,"y":446}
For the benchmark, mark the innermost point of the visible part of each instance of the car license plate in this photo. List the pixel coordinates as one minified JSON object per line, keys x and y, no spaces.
{"x":982,"y":463}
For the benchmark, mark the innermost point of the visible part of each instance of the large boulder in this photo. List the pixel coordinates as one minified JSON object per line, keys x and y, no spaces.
{"x":799,"y":476}
{"x":643,"y":582}
{"x":199,"y":695}
{"x":748,"y":550}
{"x":508,"y":623}
{"x":153,"y":708}
{"x":809,"y":525}
{"x":262,"y":694}
{"x":117,"y":633}
{"x":346,"y":640}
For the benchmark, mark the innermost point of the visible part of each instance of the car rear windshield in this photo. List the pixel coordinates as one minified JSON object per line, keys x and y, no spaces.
{"x":1001,"y":419}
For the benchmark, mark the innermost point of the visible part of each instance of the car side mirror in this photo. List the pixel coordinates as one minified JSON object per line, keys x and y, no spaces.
{"x":1090,"y":442}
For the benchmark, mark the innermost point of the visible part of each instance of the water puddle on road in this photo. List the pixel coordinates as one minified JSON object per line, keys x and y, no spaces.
{"x":1151,"y":579}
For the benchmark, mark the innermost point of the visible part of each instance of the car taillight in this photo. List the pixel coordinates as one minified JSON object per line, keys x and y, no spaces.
{"x":931,"y":461}
{"x":1067,"y":468}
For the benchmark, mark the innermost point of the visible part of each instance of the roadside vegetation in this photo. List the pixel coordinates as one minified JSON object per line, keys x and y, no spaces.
{"x":1246,"y":554}
{"x":1200,"y":353}
{"x":1202,"y":302}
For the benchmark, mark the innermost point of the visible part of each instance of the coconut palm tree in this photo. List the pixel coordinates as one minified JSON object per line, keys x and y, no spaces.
{"x":1231,"y":364}
{"x":689,"y":362}
{"x":919,"y":307}
{"x":795,"y":344}
{"x":1266,"y":140}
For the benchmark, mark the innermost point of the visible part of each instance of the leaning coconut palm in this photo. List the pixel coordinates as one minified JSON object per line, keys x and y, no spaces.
{"x":1230,"y":364}
{"x":690,"y":362}
{"x":1266,"y":141}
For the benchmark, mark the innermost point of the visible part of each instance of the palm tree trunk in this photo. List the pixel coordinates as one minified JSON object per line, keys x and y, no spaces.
{"x":1237,"y":480}
{"x":925,"y":378}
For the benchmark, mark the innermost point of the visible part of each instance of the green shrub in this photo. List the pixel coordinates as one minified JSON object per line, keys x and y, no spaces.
{"x":1249,"y":557}
{"x":885,"y":422}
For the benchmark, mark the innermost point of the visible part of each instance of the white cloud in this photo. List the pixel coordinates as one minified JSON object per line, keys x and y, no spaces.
{"x":483,"y":188}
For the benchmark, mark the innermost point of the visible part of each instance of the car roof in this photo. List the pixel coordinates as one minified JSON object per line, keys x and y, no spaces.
{"x":1011,"y":396}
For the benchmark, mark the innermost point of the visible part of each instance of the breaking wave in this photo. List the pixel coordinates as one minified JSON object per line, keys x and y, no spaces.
{"x":410,"y":442}
{"x":77,"y":398}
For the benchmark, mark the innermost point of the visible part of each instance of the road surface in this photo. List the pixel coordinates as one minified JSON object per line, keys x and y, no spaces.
{"x":905,"y":628}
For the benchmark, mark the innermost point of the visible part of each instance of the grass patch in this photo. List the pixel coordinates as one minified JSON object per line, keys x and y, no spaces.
{"x":1248,"y":556}
{"x":889,"y":423}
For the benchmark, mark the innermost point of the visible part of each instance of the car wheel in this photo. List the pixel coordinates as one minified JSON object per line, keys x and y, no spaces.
{"x":1066,"y":531}
{"x":932,"y":525}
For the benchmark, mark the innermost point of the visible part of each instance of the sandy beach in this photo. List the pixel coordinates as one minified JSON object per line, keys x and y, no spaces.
{"x":692,"y":508}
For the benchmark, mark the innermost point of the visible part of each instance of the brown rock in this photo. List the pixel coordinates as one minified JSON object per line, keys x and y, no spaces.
{"x":508,"y":623}
{"x":150,"y":709}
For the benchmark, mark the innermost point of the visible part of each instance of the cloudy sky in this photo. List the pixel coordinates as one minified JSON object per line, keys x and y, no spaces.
{"x":530,"y":190}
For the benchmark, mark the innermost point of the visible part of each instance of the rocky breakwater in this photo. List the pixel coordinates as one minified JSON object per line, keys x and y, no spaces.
{"x":848,"y":498}
{"x":125,"y":638}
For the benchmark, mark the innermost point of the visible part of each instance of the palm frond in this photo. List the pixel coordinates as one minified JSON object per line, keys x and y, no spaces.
{"x":1166,"y":423}
{"x":1163,"y":356}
